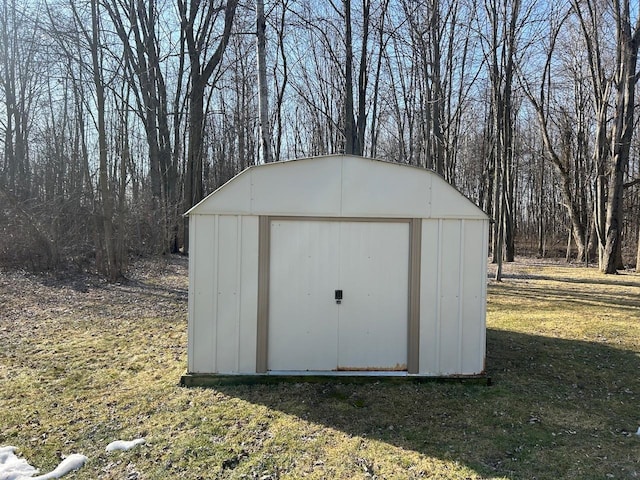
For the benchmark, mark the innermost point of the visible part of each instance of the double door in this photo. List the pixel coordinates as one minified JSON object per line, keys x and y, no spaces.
{"x":338,"y":295}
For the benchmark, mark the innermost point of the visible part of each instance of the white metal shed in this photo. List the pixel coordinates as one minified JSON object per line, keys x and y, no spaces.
{"x":336,"y":265}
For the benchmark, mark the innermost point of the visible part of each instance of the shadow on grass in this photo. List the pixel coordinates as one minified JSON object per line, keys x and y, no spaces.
{"x":557,"y":292}
{"x":557,"y":409}
{"x":603,"y":280}
{"x":587,"y":296}
{"x":152,"y":290}
{"x":136,"y":288}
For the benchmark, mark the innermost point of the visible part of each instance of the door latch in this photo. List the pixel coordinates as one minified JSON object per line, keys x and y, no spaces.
{"x":338,"y":296}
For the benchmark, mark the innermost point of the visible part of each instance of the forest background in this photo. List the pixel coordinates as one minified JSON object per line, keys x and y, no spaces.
{"x":116,"y":116}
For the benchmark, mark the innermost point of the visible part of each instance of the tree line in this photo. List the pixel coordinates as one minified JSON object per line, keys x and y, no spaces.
{"x":117,"y":116}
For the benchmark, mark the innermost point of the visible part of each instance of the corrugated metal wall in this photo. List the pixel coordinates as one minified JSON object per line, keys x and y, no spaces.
{"x":453,"y":296}
{"x":223,"y":294}
{"x":223,"y":286}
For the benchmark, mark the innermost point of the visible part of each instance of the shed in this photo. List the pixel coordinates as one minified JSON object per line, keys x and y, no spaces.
{"x":336,"y":265}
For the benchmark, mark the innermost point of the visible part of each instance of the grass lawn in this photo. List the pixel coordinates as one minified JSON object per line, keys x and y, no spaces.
{"x":83,"y":363}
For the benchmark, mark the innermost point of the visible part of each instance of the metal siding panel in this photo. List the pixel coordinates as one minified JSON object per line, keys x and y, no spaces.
{"x":204,"y":329}
{"x":303,"y":275}
{"x":227,"y":312}
{"x":297,"y":188}
{"x":474,"y":260}
{"x":191,"y":298}
{"x":482,"y":341}
{"x":391,"y":190}
{"x":233,"y":198}
{"x":450,"y":297}
{"x":447,"y":202}
{"x":429,"y":297}
{"x":248,"y":295}
{"x":373,"y":315}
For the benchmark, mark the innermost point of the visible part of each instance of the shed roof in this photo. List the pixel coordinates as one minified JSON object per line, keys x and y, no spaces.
{"x":338,"y":186}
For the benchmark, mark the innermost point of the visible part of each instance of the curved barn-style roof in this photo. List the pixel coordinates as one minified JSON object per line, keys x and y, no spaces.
{"x":338,"y":186}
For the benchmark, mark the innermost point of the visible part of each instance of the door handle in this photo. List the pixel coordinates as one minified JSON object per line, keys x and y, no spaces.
{"x":338,"y":296}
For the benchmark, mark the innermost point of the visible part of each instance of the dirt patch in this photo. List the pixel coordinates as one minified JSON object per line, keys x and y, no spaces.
{"x":153,"y":287}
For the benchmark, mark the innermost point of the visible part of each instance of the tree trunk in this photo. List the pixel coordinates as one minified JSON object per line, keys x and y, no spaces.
{"x":589,"y":19}
{"x":500,"y":54}
{"x":363,"y":80}
{"x":263,"y":90}
{"x":376,"y":83}
{"x":541,"y":221}
{"x":125,"y":158}
{"x":638,"y":253}
{"x":193,"y":187}
{"x":627,"y":45}
{"x":350,"y":140}
{"x":437,"y":97}
{"x":499,"y":237}
{"x":201,"y":72}
{"x":113,"y":267}
{"x":283,"y":80}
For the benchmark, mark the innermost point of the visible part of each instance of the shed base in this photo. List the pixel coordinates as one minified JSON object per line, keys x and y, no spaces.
{"x":214,"y":379}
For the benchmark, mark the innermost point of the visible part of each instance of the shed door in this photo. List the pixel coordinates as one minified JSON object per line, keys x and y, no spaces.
{"x":368,"y":262}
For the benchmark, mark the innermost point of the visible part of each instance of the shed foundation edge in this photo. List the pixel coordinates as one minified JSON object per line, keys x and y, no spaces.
{"x":215,"y":379}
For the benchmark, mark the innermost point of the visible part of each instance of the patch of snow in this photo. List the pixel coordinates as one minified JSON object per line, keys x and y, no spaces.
{"x":69,"y":464}
{"x":638,"y":432}
{"x":14,"y":468}
{"x":124,"y":444}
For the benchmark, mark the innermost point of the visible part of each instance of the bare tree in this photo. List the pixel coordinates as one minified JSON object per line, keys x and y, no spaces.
{"x":136,"y":24}
{"x":113,"y":265}
{"x":281,"y":78}
{"x":20,"y":80}
{"x":501,"y":51}
{"x":561,"y":161}
{"x":199,"y":23}
{"x":382,"y":41}
{"x":263,"y":90}
{"x":611,"y":152}
{"x":350,"y":127}
{"x":625,"y":79}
